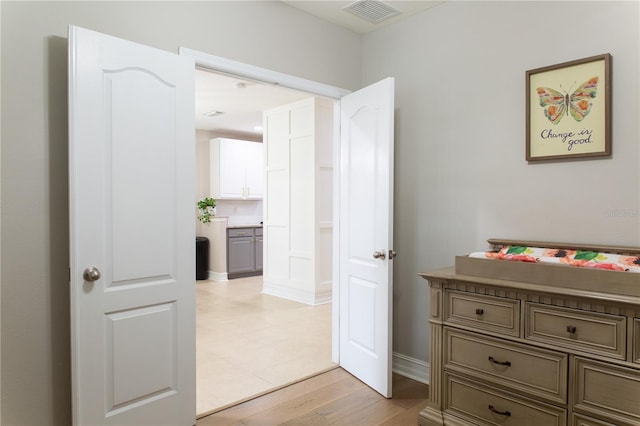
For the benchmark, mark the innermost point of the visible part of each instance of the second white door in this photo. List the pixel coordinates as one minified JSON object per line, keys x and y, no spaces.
{"x":366,"y":234}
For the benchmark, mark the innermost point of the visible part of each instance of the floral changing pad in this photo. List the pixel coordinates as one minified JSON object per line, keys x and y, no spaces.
{"x":578,"y":258}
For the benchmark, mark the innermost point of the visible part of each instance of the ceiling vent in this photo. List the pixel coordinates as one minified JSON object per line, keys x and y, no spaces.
{"x":371,"y":10}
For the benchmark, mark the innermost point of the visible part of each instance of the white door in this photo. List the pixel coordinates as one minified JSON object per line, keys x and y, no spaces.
{"x":366,"y":234}
{"x":132,"y":183}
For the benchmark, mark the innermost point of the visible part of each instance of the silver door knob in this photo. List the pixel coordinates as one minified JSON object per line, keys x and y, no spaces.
{"x":91,"y":274}
{"x":380,"y":254}
{"x":392,"y":254}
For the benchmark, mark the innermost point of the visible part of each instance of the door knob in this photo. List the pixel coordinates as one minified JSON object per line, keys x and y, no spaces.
{"x":380,"y":254}
{"x":91,"y":274}
{"x":392,"y":254}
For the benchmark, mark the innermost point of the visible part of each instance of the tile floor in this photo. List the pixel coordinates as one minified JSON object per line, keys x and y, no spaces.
{"x":248,"y":343}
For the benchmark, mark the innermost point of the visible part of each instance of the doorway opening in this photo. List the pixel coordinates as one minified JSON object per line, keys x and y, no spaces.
{"x":247,"y":343}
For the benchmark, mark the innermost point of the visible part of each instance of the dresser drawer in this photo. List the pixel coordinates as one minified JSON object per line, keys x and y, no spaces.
{"x":526,"y":369}
{"x":607,"y":390}
{"x":602,"y":334}
{"x":490,"y":313}
{"x":240,"y":232}
{"x":482,"y":405}
{"x":580,"y":420}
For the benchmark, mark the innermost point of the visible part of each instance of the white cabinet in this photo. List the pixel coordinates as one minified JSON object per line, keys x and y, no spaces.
{"x":237,"y":169}
{"x":298,"y":201}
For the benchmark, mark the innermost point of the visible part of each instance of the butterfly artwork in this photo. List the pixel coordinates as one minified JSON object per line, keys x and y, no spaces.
{"x":578,"y":104}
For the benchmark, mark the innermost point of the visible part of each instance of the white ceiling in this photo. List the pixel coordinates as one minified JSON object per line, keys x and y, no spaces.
{"x":332,"y":11}
{"x":242,"y":107}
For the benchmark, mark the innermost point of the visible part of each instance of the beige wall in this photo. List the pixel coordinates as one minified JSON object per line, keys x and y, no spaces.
{"x":461,"y":175}
{"x":202,"y":167}
{"x":35,"y":381}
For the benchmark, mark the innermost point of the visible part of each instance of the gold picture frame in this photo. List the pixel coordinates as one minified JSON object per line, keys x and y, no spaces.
{"x":568,"y":110}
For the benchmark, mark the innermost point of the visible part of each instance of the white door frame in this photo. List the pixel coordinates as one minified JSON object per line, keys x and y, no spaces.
{"x":275,"y":78}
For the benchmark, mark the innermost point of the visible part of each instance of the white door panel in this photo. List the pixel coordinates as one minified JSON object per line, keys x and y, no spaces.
{"x":366,"y":227}
{"x":131,"y":217}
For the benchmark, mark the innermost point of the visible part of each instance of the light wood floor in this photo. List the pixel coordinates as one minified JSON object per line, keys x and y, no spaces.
{"x":331,"y":398}
{"x":248,"y":343}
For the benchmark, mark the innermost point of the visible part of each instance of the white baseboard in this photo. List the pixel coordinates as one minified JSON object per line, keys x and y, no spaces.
{"x":296,"y":295}
{"x":218,"y":276}
{"x":410,"y":367}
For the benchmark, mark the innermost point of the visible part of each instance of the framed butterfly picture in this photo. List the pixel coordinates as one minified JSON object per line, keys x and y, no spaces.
{"x":568,"y":110}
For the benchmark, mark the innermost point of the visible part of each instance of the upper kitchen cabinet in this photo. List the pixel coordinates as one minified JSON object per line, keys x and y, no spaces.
{"x":237,"y":169}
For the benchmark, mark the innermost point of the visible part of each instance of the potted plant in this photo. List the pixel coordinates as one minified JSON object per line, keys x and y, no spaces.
{"x":207,"y":208}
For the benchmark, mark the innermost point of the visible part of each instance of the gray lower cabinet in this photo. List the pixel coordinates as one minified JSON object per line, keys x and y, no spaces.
{"x":244,"y":252}
{"x":258,"y":234}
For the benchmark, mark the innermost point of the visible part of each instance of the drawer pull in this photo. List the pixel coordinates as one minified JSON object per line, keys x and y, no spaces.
{"x":502,"y":413}
{"x":479,"y":311}
{"x":493,"y":360}
{"x":571,"y":329}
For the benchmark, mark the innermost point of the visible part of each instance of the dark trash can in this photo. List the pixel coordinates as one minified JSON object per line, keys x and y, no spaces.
{"x":202,"y":258}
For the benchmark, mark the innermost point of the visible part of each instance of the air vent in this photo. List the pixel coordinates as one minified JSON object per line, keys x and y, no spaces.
{"x":371,"y":10}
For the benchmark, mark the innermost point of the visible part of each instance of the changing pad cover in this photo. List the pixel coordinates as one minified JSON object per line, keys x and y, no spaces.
{"x":576,"y":258}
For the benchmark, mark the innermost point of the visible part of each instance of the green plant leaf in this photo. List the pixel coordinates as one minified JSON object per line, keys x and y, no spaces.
{"x":205,"y":202}
{"x":586,"y":255}
{"x":517,"y":250}
{"x":203,"y":205}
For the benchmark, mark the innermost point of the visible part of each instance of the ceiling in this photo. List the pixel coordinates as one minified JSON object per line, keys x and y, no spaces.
{"x":241,"y":102}
{"x":332,"y":11}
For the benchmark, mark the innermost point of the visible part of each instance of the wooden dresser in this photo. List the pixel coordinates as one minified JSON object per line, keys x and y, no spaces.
{"x":522,"y":344}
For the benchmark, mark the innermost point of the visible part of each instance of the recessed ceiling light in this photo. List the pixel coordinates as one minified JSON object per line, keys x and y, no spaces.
{"x":240,"y":85}
{"x":257,"y":128}
{"x":213,"y":113}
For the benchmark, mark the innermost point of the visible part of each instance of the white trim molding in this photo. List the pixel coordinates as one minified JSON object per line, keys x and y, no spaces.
{"x":252,"y":72}
{"x":218,"y":276}
{"x":410,"y":367}
{"x":301,"y":296}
